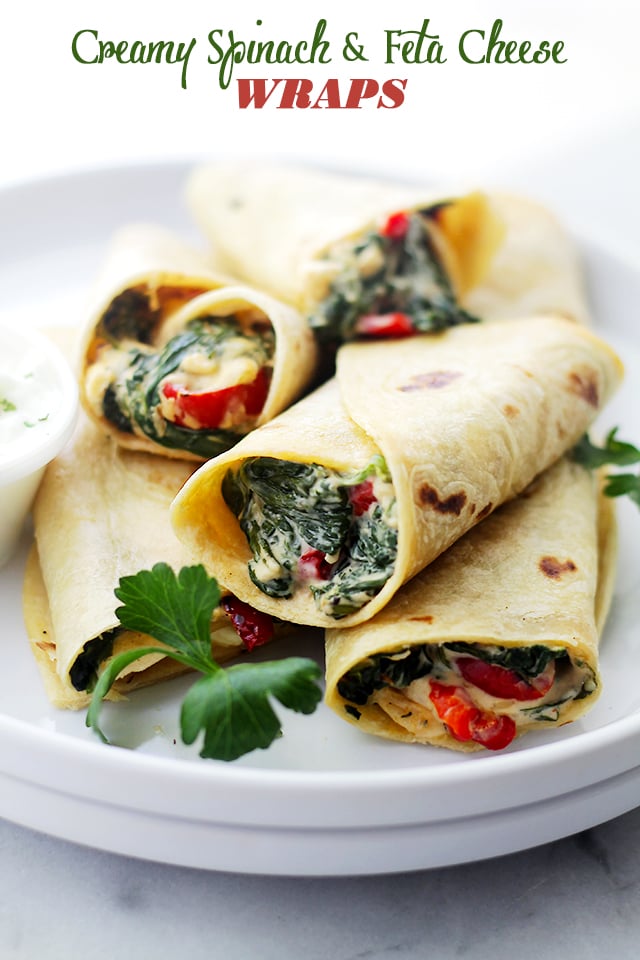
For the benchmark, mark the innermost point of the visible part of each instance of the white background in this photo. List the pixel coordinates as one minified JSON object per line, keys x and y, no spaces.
{"x":457,"y":119}
{"x":567,"y":133}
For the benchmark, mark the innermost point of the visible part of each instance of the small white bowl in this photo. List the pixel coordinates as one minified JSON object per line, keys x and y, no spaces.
{"x":38,"y":410}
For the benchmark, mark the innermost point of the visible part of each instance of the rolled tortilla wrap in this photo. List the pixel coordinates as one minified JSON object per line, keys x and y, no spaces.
{"x":101,"y":513}
{"x":174,"y":363}
{"x":507,"y":593}
{"x":325,"y":512}
{"x":499,"y":636}
{"x":343,"y":248}
{"x":535,"y":269}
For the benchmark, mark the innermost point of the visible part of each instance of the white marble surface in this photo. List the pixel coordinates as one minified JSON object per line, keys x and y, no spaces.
{"x":576,"y":146}
{"x":576,"y":899}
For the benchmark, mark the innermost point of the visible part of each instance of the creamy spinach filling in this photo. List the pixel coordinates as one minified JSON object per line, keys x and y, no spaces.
{"x":130,"y":316}
{"x":574,"y":680}
{"x":132,"y":400}
{"x":310,"y":528}
{"x":84,"y":670}
{"x":384,"y":274}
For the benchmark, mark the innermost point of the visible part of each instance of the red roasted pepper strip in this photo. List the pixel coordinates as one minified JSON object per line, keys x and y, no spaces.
{"x":252,"y":626}
{"x":361,"y":497}
{"x":385,"y":325}
{"x":503,"y":683}
{"x":494,"y":731}
{"x":467,"y":722}
{"x":314,"y":565}
{"x":397,"y":226}
{"x":395,"y":324}
{"x":454,"y":708}
{"x":208,"y":408}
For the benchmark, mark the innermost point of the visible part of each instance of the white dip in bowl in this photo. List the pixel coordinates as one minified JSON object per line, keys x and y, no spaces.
{"x":38,"y":409}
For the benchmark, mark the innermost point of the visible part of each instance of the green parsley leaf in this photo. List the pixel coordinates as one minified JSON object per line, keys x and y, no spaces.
{"x":614,"y":452}
{"x":233,"y":708}
{"x":174,"y":610}
{"x":230,"y":705}
{"x":624,"y":485}
{"x":106,"y":680}
{"x":6,"y":406}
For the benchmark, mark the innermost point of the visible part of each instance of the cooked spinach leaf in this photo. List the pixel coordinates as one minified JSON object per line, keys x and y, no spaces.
{"x":130,"y":316}
{"x":408,"y":277}
{"x":113,"y":411}
{"x":281,"y":506}
{"x":384,"y":670}
{"x":367,"y":561}
{"x":525,"y":661}
{"x":134,"y":397}
{"x":400,"y":670}
{"x":551,"y":711}
{"x":84,"y":671}
{"x":286,"y":508}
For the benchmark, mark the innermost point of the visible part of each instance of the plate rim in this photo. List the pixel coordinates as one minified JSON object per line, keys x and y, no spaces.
{"x":208,"y":780}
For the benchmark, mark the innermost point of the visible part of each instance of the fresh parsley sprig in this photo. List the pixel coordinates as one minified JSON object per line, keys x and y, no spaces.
{"x":624,"y":485}
{"x":230,"y":705}
{"x":614,"y":453}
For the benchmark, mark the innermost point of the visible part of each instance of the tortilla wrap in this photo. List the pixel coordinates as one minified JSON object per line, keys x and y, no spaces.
{"x":273,"y":226}
{"x":101,"y":513}
{"x":536,"y":268}
{"x":507,"y":255}
{"x":152,"y":286}
{"x":539,"y":571}
{"x":464,"y":419}
{"x":494,"y":587}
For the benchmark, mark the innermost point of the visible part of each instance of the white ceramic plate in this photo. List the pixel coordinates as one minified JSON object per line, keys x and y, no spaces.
{"x":325,"y":799}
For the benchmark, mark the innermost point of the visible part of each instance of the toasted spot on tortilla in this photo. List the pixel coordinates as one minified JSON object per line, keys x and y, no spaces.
{"x":485,"y":510}
{"x":426,"y":619}
{"x":453,"y":504}
{"x":46,"y":646}
{"x":554,"y":568}
{"x":585,"y":386}
{"x":510,"y":411}
{"x":433,"y":380}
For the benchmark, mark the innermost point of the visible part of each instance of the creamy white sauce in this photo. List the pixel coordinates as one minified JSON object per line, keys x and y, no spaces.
{"x":107,"y":367}
{"x":567,"y":684}
{"x":238,"y":361}
{"x":29,"y":396}
{"x":38,"y":403}
{"x":279,"y":562}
